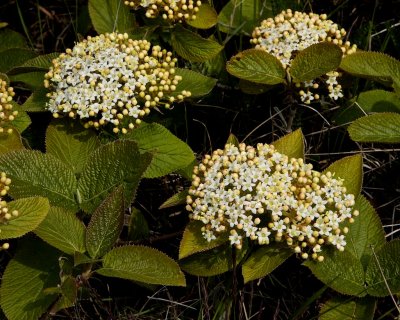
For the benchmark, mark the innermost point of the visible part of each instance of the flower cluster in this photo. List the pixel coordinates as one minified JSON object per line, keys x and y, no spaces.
{"x":173,"y":10}
{"x":290,"y":32}
{"x":261,"y":194}
{"x":5,"y":215}
{"x":6,"y":113}
{"x":112,"y":79}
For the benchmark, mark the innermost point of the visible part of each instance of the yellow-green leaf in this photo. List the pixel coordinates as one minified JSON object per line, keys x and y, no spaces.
{"x":206,"y":17}
{"x":315,"y":61}
{"x":345,"y":309}
{"x":176,"y":200}
{"x":142,"y":264}
{"x":349,"y":169}
{"x":257,"y":66}
{"x":192,"y":47}
{"x":10,"y":141}
{"x":198,"y":84}
{"x":291,"y":144}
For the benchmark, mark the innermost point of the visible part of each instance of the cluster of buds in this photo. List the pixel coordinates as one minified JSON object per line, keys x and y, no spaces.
{"x":172,"y":10}
{"x":261,"y":194}
{"x":112,"y":79}
{"x":290,"y":32}
{"x":6,"y":113}
{"x":5,"y":215}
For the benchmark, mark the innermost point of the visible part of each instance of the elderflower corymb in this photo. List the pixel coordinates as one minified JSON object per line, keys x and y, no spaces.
{"x":6,"y":113}
{"x":290,"y":32}
{"x":5,"y":214}
{"x":112,"y":79}
{"x":173,"y":10}
{"x":261,"y":194}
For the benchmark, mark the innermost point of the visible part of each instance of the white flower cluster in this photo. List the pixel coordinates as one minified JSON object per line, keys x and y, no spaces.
{"x":173,"y":10}
{"x":5,"y":215}
{"x":261,"y":194}
{"x":6,"y":113}
{"x":112,"y":79}
{"x":290,"y":32}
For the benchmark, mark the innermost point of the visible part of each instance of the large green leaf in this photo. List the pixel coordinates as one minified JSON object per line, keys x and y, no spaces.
{"x":373,"y":65}
{"x":315,"y":61}
{"x":71,"y":143}
{"x":31,"y":80}
{"x":169,"y":152}
{"x":193,"y":241}
{"x":291,"y":144}
{"x":367,"y":102}
{"x":14,"y":57}
{"x":211,"y":262}
{"x":40,"y":63}
{"x":37,"y":174}
{"x":257,"y":66}
{"x":341,"y":271}
{"x":243,"y":15}
{"x":344,"y":308}
{"x":110,"y":15}
{"x":138,"y":227}
{"x":349,"y":169}
{"x":380,"y":127}
{"x":383,"y":270}
{"x":106,"y":224}
{"x":194,"y":82}
{"x":263,"y":261}
{"x":21,"y":121}
{"x":206,"y":17}
{"x":192,"y":47}
{"x":69,"y":293}
{"x":63,"y":230}
{"x":109,"y":166}
{"x":142,"y":264}
{"x":31,"y":212}
{"x":11,"y":39}
{"x":33,"y":269}
{"x":10,"y":141}
{"x":366,"y":231}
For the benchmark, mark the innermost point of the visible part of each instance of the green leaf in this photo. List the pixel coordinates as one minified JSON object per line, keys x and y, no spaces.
{"x":257,"y":66}
{"x":315,"y":61}
{"x":383,"y":270}
{"x":36,"y":102}
{"x":31,"y":80}
{"x":63,"y":230}
{"x":344,"y":308}
{"x":138,"y":228}
{"x":106,"y":224}
{"x":21,"y":121}
{"x":11,"y":39}
{"x":71,"y":143}
{"x":40,"y":63}
{"x":36,"y":174}
{"x":69,"y":293}
{"x":110,"y":15}
{"x":188,"y":170}
{"x":366,"y":231}
{"x":142,"y":264}
{"x":10,"y":142}
{"x":192,"y":47}
{"x":341,"y":271}
{"x":291,"y":144}
{"x":176,"y":200}
{"x":232,"y":139}
{"x":380,"y":127}
{"x":31,"y":212}
{"x":193,"y":241}
{"x":373,"y":65}
{"x":349,"y":169}
{"x":80,"y":258}
{"x":195,"y":82}
{"x":206,"y":17}
{"x":249,"y":87}
{"x":169,"y":152}
{"x":369,"y":102}
{"x":211,"y":262}
{"x":243,"y":15}
{"x":109,"y":166}
{"x":33,"y":269}
{"x":263,"y":261}
{"x":14,"y":57}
